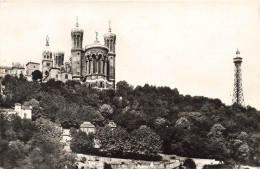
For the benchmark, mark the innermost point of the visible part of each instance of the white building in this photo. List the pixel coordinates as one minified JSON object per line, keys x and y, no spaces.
{"x":87,"y":127}
{"x":25,"y":112}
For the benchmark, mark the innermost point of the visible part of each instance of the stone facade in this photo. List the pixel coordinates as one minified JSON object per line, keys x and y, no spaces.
{"x":31,"y":67}
{"x":15,"y":70}
{"x":93,"y":65}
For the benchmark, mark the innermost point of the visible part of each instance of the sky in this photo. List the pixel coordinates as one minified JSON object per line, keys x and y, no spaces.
{"x":188,"y":45}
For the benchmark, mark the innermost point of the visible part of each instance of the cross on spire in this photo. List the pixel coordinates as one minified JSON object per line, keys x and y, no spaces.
{"x":109,"y":27}
{"x":77,"y":21}
{"x":96,"y":41}
{"x":47,"y":40}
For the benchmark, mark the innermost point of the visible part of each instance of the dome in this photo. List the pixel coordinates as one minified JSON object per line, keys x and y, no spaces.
{"x":58,"y":52}
{"x":18,"y":65}
{"x":95,"y":45}
{"x":109,"y":34}
{"x":77,"y":30}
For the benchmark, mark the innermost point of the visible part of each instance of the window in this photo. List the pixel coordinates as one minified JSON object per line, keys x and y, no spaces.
{"x":33,"y":66}
{"x":66,"y":76}
{"x":48,"y":64}
{"x":25,"y":116}
{"x":46,"y":72}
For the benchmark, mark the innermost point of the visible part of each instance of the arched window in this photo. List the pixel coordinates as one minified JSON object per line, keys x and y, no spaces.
{"x":90,"y":62}
{"x":46,"y":72}
{"x":50,"y":57}
{"x":66,"y":76}
{"x":99,"y":63}
{"x":47,"y":56}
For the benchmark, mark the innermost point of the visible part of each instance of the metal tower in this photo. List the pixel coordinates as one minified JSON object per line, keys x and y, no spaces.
{"x":238,"y":97}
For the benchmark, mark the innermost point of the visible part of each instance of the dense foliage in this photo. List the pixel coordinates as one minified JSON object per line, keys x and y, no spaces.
{"x":188,"y":126}
{"x":27,"y":145}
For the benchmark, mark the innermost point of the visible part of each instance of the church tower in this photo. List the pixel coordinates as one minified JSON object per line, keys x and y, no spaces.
{"x":110,"y":43}
{"x":47,"y":61}
{"x":76,"y":51}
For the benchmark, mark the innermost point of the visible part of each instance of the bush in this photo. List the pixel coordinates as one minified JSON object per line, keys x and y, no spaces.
{"x":190,"y":164}
{"x":217,"y":166}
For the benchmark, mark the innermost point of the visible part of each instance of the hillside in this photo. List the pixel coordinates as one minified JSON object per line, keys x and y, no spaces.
{"x":197,"y":127}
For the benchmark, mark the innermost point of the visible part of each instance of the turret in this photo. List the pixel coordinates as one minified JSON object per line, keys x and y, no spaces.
{"x":76,"y":50}
{"x":110,"y":43}
{"x":47,"y":61}
{"x":58,"y":59}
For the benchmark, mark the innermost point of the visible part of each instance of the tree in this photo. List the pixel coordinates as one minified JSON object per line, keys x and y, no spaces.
{"x":189,"y":164}
{"x":106,"y":110}
{"x":131,"y":119}
{"x":145,"y":141}
{"x":82,"y":142}
{"x":182,"y":123}
{"x":218,"y":144}
{"x":36,"y":75}
{"x":113,"y":141}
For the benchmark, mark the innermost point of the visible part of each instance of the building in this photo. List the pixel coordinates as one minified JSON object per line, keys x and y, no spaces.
{"x":87,"y":127}
{"x":93,"y":65}
{"x":30,"y":68}
{"x":25,"y":112}
{"x":15,"y":70}
{"x":112,"y":125}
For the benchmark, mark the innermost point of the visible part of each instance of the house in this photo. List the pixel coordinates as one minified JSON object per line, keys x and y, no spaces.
{"x":111,"y":124}
{"x":25,"y":112}
{"x":87,"y":127}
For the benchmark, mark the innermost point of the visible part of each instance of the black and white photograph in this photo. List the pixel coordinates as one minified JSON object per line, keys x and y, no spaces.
{"x":130,"y":84}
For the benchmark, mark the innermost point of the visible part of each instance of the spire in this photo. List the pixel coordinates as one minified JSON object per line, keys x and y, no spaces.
{"x":109,"y":27}
{"x":237,"y":52}
{"x":47,"y":40}
{"x":77,"y":22}
{"x":96,"y":41}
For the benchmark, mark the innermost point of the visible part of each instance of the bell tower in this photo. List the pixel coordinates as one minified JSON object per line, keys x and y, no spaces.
{"x":76,"y":51}
{"x":110,"y":43}
{"x":47,"y":61}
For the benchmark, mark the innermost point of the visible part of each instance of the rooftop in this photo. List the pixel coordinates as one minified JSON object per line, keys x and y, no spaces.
{"x":87,"y":124}
{"x":32,"y":63}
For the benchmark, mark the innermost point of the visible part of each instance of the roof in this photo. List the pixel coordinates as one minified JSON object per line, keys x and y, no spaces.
{"x":109,"y":34}
{"x":111,"y":124}
{"x":6,"y":110}
{"x":17,"y":104}
{"x":87,"y":124}
{"x":26,"y":107}
{"x":32,"y":63}
{"x":58,"y":52}
{"x":5,"y":67}
{"x":76,"y":30}
{"x":95,"y":45}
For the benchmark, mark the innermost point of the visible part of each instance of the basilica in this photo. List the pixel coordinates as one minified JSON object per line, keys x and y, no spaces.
{"x":93,"y":64}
